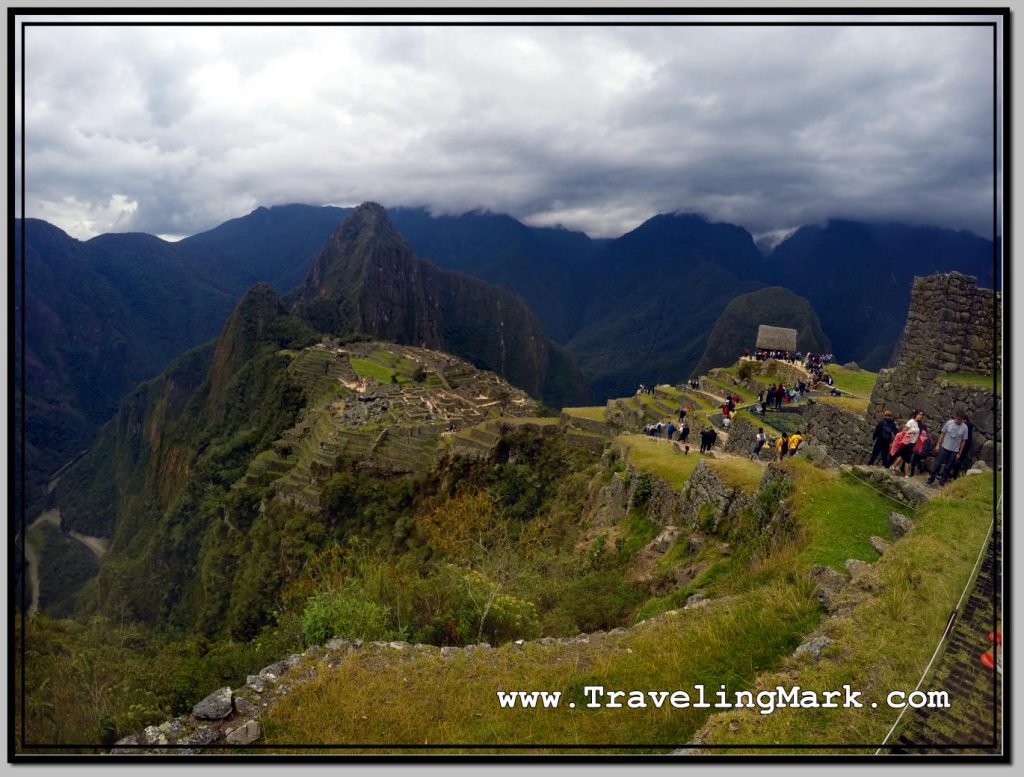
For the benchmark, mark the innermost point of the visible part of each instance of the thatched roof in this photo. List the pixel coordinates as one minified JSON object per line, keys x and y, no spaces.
{"x":776,"y":338}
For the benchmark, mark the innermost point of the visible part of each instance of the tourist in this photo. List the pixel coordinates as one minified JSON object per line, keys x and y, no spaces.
{"x":671,"y":430}
{"x":911,"y":430}
{"x":759,"y":442}
{"x":922,"y":448}
{"x":952,"y":443}
{"x":684,"y":433}
{"x":781,"y":446}
{"x":794,"y":442}
{"x":885,"y":431}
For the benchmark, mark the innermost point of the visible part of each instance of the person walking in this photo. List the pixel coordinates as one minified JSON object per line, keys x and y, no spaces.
{"x":885,"y":431}
{"x":781,"y":446}
{"x":951,"y":445}
{"x":759,"y":442}
{"x":684,"y":432}
{"x":794,"y":442}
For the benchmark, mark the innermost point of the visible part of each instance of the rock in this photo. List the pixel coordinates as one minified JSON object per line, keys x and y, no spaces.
{"x":828,"y":583}
{"x":126,"y":746}
{"x":483,"y":646}
{"x":447,"y":651}
{"x":256,"y":683}
{"x":879,"y":544}
{"x":336,"y":643}
{"x":852,"y":366}
{"x":863,"y":575}
{"x":693,"y":748}
{"x":988,"y":453}
{"x":203,"y":735}
{"x":900,"y":524}
{"x":293,"y":661}
{"x":696,"y":600}
{"x":215,"y":706}
{"x":813,"y":647}
{"x":273,"y":671}
{"x":725,"y":549}
{"x":245,"y":734}
{"x":696,"y":543}
{"x":665,"y":540}
{"x":245,"y":708}
{"x":398,"y":645}
{"x":312,"y":651}
{"x":981,"y":466}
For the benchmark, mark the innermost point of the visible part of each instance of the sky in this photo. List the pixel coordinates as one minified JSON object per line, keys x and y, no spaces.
{"x":173,"y":130}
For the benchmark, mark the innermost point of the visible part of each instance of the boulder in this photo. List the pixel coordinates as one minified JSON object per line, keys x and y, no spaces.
{"x":696,"y":600}
{"x":900,"y":524}
{"x":828,"y":583}
{"x":813,"y":647}
{"x":245,"y":734}
{"x":665,"y":540}
{"x":879,"y":544}
{"x":215,"y":706}
{"x":245,"y":708}
{"x":448,"y":651}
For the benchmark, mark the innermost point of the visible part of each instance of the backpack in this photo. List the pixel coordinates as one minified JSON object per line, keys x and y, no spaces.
{"x":922,"y":446}
{"x":897,"y":441}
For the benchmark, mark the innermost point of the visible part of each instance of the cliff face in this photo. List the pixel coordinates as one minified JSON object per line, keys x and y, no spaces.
{"x":367,"y":280}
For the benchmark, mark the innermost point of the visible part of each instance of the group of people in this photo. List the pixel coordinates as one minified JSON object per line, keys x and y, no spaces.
{"x":809,"y":359}
{"x":784,"y":444}
{"x":776,"y":395}
{"x":669,"y":429}
{"x":914,"y":444}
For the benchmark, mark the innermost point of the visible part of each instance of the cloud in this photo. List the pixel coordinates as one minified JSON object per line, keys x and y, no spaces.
{"x":174,"y":130}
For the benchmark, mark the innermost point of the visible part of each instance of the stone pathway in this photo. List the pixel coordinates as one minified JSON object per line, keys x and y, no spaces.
{"x":972,"y":724}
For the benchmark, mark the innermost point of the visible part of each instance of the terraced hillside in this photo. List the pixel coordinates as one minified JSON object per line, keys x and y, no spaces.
{"x":381,"y":408}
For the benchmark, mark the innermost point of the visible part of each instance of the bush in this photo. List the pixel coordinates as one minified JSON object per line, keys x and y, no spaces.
{"x":746,"y":370}
{"x":343,"y":613}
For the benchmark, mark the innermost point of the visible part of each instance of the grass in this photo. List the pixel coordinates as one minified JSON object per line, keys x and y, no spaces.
{"x":745,"y":395}
{"x":743,"y":474}
{"x":528,"y":420}
{"x":369,"y":369}
{"x":838,"y":515}
{"x":856,"y":404}
{"x":590,"y":413}
{"x":860,"y":383}
{"x":886,"y":641}
{"x":974,"y":379}
{"x":428,"y":700}
{"x":660,"y":458}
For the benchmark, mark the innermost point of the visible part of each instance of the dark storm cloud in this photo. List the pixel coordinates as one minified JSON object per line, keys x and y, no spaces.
{"x":174,"y":130}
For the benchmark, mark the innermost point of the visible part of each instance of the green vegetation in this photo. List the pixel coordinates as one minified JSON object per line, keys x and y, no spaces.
{"x":974,"y":379}
{"x":365,"y":368}
{"x":744,"y":474}
{"x":860,"y":383}
{"x":660,"y":458}
{"x":856,"y":404}
{"x":68,"y":566}
{"x":597,"y":413}
{"x":918,"y":582}
{"x":839,"y":514}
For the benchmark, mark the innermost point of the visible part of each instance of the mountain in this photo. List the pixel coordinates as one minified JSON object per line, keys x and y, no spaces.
{"x":655,"y":294}
{"x":859,"y":277}
{"x":367,"y":280}
{"x":736,"y":328}
{"x":100,"y":316}
{"x":540,"y":265}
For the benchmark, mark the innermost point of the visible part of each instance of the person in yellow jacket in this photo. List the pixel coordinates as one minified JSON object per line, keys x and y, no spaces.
{"x":794,"y":442}
{"x":782,"y":445}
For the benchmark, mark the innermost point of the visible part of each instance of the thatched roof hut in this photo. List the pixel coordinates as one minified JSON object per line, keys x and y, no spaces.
{"x":776,"y":338}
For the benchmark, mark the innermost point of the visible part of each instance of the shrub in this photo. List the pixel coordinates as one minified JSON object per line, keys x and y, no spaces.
{"x":343,"y":613}
{"x":746,"y":370}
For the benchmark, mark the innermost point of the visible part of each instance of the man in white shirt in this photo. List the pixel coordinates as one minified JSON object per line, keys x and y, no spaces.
{"x":952,"y":441}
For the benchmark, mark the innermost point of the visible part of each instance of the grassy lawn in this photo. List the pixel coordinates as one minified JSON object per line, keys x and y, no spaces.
{"x":660,"y":458}
{"x":860,"y":383}
{"x":369,"y":369}
{"x":856,"y":404}
{"x":532,"y":420}
{"x":744,"y":474}
{"x":744,"y":395}
{"x":974,"y":379}
{"x":885,"y":642}
{"x":838,"y":514}
{"x":591,"y":413}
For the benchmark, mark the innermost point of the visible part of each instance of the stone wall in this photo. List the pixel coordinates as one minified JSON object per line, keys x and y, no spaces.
{"x":842,"y":434}
{"x":706,"y":488}
{"x":949,"y":330}
{"x":950,"y":326}
{"x":905,"y":389}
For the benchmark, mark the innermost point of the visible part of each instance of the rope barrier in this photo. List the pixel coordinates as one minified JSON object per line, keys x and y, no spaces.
{"x":949,"y":625}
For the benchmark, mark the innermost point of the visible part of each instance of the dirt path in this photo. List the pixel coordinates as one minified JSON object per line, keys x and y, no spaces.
{"x":97,"y":545}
